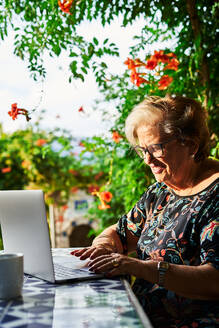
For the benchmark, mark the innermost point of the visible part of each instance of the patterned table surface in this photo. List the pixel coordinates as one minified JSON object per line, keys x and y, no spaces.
{"x":103,"y":303}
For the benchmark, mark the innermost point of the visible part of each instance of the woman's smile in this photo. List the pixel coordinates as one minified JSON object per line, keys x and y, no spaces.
{"x":156,"y":169}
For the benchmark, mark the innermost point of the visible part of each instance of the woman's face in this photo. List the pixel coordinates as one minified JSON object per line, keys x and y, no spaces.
{"x":176,"y":163}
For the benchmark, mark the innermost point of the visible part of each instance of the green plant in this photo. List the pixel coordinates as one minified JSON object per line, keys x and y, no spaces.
{"x":41,"y":26}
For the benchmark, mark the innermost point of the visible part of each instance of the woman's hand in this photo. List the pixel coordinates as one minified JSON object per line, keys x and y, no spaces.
{"x":92,"y":252}
{"x":106,"y":243}
{"x":114,"y":264}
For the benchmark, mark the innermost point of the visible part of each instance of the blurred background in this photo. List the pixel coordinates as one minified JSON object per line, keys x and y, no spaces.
{"x":69,"y":70}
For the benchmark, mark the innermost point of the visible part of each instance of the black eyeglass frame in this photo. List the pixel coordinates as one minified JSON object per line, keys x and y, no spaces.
{"x":145,"y":149}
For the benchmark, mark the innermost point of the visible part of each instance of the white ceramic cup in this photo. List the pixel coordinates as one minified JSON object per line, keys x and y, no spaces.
{"x":11,"y":275}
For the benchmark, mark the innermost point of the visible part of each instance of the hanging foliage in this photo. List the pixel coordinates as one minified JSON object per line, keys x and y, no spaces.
{"x":188,"y":67}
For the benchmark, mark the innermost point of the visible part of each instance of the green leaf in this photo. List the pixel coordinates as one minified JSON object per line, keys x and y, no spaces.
{"x":73,"y":66}
{"x":95,"y":41}
{"x":105,"y":41}
{"x":84,"y":70}
{"x":73,"y":54}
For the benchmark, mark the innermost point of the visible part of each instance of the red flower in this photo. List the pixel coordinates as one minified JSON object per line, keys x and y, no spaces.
{"x":133,"y":63}
{"x":138,"y":62}
{"x":160,"y":56}
{"x":15,"y":111}
{"x":151,"y":63}
{"x":164,"y":82}
{"x":41,"y":142}
{"x":98,"y":175}
{"x":171,"y":54}
{"x":134,"y":75}
{"x":106,"y":196}
{"x":116,"y":136}
{"x":137,"y":79}
{"x":140,"y":80}
{"x":6,"y":170}
{"x":81,"y":144}
{"x":74,"y":189}
{"x":172,"y":64}
{"x":130,"y":63}
{"x":65,"y":5}
{"x":93,"y":188}
{"x":74,"y":172}
{"x":26,"y":164}
{"x":81,"y":109}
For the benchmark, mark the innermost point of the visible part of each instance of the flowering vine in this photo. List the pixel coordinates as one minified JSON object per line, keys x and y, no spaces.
{"x":159,"y":61}
{"x":6,"y":169}
{"x":81,"y":109}
{"x":104,"y":197}
{"x":164,"y":82}
{"x":116,"y":136}
{"x":65,"y":5}
{"x":15,"y":111}
{"x":93,"y":188}
{"x":41,"y":142}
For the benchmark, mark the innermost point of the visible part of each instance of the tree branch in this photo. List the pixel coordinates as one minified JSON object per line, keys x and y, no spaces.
{"x":196,"y":27}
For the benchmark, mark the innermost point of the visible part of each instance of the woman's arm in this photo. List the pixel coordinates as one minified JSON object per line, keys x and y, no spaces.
{"x":107,"y":242}
{"x":196,"y":282}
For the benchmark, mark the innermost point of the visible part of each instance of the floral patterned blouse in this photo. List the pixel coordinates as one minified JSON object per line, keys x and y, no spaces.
{"x":180,"y":230}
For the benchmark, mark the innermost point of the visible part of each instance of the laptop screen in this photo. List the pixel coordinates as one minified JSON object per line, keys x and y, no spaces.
{"x":25,"y":229}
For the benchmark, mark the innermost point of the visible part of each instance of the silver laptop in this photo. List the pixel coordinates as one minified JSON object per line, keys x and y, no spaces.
{"x":25,"y":229}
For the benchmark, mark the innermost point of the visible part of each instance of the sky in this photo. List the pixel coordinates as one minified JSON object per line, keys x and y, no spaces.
{"x":59,"y":97}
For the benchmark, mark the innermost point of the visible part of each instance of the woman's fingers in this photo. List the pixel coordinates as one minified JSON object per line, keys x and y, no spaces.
{"x":98,"y":251}
{"x":105,"y":263}
{"x":90,"y":252}
{"x":83,"y":253}
{"x":79,"y":252}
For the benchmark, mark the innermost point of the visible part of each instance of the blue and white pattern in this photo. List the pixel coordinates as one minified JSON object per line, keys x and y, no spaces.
{"x":102,"y":303}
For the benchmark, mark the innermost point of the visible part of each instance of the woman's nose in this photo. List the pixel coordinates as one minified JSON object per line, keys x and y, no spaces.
{"x":148,"y":158}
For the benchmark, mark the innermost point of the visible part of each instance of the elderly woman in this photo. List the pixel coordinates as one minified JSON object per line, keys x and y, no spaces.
{"x":174,"y":227}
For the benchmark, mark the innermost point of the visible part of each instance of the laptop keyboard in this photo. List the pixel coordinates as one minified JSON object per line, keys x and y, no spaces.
{"x":62,"y":271}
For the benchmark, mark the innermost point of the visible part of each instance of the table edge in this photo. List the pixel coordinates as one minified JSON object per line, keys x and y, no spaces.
{"x":141,"y":313}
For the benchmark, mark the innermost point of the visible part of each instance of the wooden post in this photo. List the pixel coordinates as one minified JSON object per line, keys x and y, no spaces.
{"x":52,"y":226}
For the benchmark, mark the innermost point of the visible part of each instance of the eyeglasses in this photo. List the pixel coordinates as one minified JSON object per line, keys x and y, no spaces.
{"x":155,"y":150}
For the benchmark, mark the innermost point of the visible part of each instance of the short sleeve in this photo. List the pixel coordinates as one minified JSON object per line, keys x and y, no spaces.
{"x":134,"y":221}
{"x":209,"y":237}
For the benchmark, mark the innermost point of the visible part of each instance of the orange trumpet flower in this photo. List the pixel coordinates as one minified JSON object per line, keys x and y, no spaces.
{"x":65,"y":5}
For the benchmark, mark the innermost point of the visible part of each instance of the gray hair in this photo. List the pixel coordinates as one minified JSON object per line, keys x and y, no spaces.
{"x":180,"y":117}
